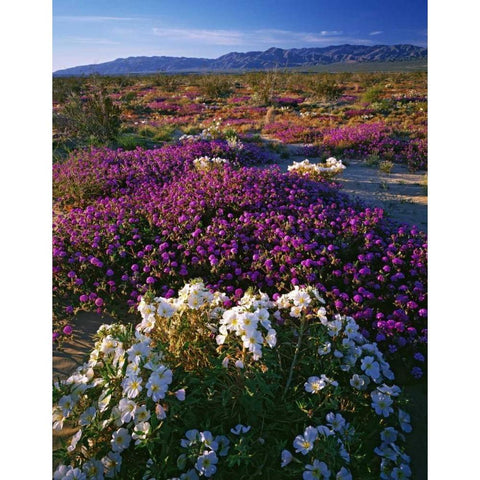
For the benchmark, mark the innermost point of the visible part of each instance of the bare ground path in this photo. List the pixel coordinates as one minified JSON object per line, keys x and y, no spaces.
{"x":400,"y":193}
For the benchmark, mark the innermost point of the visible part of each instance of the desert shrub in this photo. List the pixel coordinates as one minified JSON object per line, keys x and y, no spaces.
{"x":168,"y":82}
{"x":63,"y":88}
{"x":267,"y":388}
{"x":324,"y":88}
{"x":372,"y":94}
{"x":264,"y":86}
{"x":215,"y":86}
{"x":93,"y":116}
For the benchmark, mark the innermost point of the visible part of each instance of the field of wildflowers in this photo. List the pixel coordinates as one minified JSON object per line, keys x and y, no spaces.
{"x":266,"y":322}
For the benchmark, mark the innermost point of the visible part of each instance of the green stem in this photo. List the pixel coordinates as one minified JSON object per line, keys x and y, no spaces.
{"x":295,"y":356}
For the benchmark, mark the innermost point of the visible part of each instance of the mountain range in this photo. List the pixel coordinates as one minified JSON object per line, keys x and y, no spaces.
{"x":257,"y":60}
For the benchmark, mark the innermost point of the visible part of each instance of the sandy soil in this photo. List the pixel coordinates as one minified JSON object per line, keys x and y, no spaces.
{"x":401,"y":194}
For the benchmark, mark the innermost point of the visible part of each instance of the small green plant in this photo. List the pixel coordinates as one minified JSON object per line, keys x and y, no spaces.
{"x":372,"y":94}
{"x":164,"y":133}
{"x":386,"y":166}
{"x":147,"y":131}
{"x":372,"y":160}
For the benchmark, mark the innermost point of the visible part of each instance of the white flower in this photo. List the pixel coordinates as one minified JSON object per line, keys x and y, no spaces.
{"x":300,"y":298}
{"x":132,"y":386}
{"x":325,"y":431}
{"x":93,"y":469}
{"x":66,"y":403}
{"x":156,"y":387}
{"x":343,"y":474}
{"x":112,"y":462}
{"x":86,"y":418}
{"x":140,"y":432}
{"x":318,"y":470}
{"x":139,"y":349}
{"x":324,"y":348}
{"x":75,"y":474}
{"x":189,"y":475}
{"x":336,"y":421}
{"x":192,"y":437}
{"x":147,"y":324}
{"x":249,"y":322}
{"x":133,"y":368}
{"x":296,"y":311}
{"x":206,"y":464}
{"x":393,"y":391}
{"x":271,"y":338}
{"x":239,"y":364}
{"x":141,"y":414}
{"x":303,"y":444}
{"x":180,"y":394}
{"x":404,"y":419}
{"x":60,"y":472}
{"x":389,"y":435}
{"x":207,"y":439}
{"x":402,"y":472}
{"x":223,"y":445}
{"x":160,"y":412}
{"x":165,"y":309}
{"x":120,"y":440}
{"x":74,"y":441}
{"x":225,"y":362}
{"x":286,"y":458}
{"x":314,"y":385}
{"x":334,"y":327}
{"x":370,"y":367}
{"x":58,"y":418}
{"x":127,"y":409}
{"x":251,"y":339}
{"x":357,"y":382}
{"x":240,"y":429}
{"x":108,"y":345}
{"x":104,"y":401}
{"x":322,"y":315}
{"x":381,"y":403}
{"x":164,"y":374}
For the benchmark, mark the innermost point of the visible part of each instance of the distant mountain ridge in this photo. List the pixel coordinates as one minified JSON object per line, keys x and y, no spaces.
{"x":257,"y":60}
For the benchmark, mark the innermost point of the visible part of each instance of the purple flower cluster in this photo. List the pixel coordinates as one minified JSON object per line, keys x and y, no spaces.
{"x":160,"y":222}
{"x":101,"y":172}
{"x":290,"y":133}
{"x":288,"y":101}
{"x":163,"y":107}
{"x":360,"y":141}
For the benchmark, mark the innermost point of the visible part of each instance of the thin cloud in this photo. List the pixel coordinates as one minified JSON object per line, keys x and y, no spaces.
{"x":376,"y":32}
{"x":214,"y":37}
{"x":262,"y":37}
{"x":87,"y":18}
{"x":90,"y":41}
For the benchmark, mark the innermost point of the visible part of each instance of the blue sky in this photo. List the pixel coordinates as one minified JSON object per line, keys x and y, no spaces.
{"x":95,"y":31}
